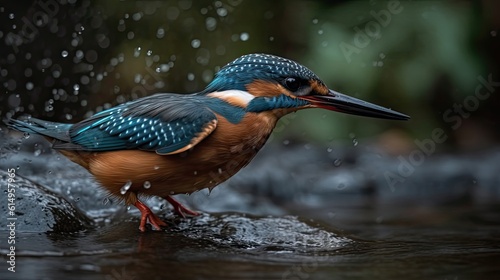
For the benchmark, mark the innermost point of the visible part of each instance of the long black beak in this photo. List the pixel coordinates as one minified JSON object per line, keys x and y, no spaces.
{"x":339,"y":102}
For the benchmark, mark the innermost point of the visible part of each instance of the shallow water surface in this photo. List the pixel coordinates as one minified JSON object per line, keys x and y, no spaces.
{"x":334,"y":223}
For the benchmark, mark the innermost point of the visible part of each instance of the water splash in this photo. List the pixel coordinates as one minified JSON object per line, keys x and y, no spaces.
{"x":355,"y":142}
{"x":126,"y":187}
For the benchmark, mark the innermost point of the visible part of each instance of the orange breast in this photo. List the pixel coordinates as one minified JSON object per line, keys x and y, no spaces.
{"x":215,"y":159}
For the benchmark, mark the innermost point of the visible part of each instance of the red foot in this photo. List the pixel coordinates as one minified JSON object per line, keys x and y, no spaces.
{"x":179,"y":209}
{"x":148,"y":215}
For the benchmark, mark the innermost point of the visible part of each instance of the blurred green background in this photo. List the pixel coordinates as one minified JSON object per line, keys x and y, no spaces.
{"x":65,"y":60}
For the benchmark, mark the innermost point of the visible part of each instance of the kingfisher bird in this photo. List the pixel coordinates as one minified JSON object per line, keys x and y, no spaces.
{"x":167,"y":143}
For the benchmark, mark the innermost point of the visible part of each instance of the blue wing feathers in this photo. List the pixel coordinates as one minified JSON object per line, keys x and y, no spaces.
{"x":162,"y":122}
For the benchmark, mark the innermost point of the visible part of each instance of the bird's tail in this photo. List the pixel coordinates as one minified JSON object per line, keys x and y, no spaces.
{"x":58,"y":131}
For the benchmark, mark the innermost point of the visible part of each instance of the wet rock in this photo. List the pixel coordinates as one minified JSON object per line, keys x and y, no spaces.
{"x":39,"y":209}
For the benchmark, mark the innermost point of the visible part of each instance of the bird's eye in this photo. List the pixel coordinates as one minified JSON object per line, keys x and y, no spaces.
{"x":292,"y":84}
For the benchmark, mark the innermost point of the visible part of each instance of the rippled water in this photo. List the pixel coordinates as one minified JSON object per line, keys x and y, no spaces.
{"x":299,"y":215}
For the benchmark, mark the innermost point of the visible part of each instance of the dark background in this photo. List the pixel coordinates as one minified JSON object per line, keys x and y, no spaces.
{"x":65,"y":60}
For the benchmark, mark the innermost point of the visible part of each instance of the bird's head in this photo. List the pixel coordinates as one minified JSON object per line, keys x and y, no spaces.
{"x":263,"y":82}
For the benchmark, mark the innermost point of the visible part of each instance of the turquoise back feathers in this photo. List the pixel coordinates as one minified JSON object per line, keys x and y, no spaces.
{"x":248,"y":68}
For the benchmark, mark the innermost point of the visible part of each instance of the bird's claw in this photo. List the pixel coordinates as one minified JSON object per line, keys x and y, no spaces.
{"x":148,"y":215}
{"x":180,"y":209}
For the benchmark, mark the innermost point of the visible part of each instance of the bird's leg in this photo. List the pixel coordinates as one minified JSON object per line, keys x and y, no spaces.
{"x":147,"y":214}
{"x":180,"y":209}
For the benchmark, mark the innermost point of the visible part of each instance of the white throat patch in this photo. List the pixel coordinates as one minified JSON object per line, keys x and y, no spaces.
{"x":235,"y":97}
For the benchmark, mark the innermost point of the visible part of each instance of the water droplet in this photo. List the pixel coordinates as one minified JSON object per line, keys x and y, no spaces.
{"x":105,"y":201}
{"x":286,"y":142}
{"x":195,"y":173}
{"x":244,"y":36}
{"x":222,"y":12}
{"x":76,"y":87}
{"x":320,"y":32}
{"x":220,"y":170}
{"x":329,"y":149}
{"x":164,"y":67}
{"x":126,"y":187}
{"x":210,"y":23}
{"x":355,"y":142}
{"x":149,"y":53}
{"x":160,"y":33}
{"x":26,"y":135}
{"x":137,"y":16}
{"x":147,"y":185}
{"x":337,"y":162}
{"x":493,"y":33}
{"x":315,"y":21}
{"x":64,"y":53}
{"x":195,"y":43}
{"x":137,"y":52}
{"x":156,"y":167}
